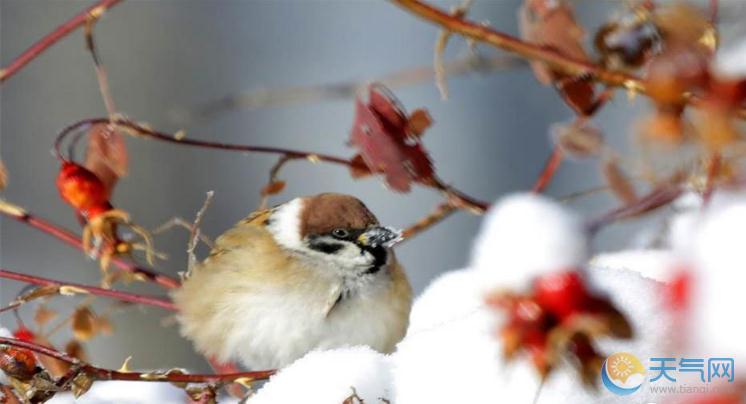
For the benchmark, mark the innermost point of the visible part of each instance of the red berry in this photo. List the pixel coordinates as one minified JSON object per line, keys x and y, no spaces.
{"x":24,"y":334}
{"x":17,"y":363}
{"x":81,"y":188}
{"x":561,"y":294}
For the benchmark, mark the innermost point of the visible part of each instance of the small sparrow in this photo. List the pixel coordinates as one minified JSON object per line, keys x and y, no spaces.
{"x":314,"y":273}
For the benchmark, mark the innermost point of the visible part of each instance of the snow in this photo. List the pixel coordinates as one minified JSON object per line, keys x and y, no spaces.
{"x":719,"y":258}
{"x":120,"y":392}
{"x":730,"y":61}
{"x":329,"y":377}
{"x":525,"y":235}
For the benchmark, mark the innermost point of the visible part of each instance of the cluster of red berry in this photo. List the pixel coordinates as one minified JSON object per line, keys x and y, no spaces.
{"x":558,"y":318}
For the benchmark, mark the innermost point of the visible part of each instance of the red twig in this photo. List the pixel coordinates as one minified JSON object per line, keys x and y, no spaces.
{"x":107,"y":374}
{"x":74,"y":240}
{"x":114,"y":294}
{"x":550,"y":167}
{"x":657,"y":198}
{"x":50,"y":39}
{"x":463,"y":201}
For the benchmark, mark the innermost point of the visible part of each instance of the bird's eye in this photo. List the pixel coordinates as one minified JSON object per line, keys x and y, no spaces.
{"x":340,"y":233}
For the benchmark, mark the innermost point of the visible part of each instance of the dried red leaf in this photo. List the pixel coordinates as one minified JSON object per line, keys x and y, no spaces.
{"x":551,"y":23}
{"x":106,"y":155}
{"x":382,"y":136}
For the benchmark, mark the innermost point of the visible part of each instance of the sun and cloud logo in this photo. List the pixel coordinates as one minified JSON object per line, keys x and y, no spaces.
{"x":622,"y":373}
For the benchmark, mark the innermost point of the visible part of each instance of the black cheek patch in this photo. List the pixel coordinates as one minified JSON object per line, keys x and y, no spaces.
{"x":326,"y":248}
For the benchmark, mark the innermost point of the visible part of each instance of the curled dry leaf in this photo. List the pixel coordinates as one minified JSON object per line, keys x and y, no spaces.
{"x":382,"y":134}
{"x":84,"y":323}
{"x":551,"y":23}
{"x":104,"y":326}
{"x":106,"y":155}
{"x":618,"y":181}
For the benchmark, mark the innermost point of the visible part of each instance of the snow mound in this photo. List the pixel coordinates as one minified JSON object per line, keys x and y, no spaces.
{"x":329,"y":377}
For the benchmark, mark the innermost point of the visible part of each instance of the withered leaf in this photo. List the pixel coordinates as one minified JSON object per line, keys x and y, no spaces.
{"x":380,"y":135}
{"x":106,"y":155}
{"x":43,"y":315}
{"x":617,"y":181}
{"x":552,"y":24}
{"x":273,"y":188}
{"x":37,"y":293}
{"x":83,"y":324}
{"x":76,"y":350}
{"x":81,"y":384}
{"x":418,"y":122}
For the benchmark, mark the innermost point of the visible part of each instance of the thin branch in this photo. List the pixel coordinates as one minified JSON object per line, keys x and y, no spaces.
{"x":273,"y":173}
{"x":440,"y":212}
{"x":658,"y":197}
{"x":50,"y":39}
{"x":74,"y":240}
{"x":550,"y":168}
{"x":479,"y":32}
{"x":79,"y":288}
{"x":97,"y":373}
{"x":463,"y":201}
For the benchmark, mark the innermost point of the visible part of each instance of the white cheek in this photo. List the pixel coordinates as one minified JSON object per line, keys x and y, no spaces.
{"x":285,"y":225}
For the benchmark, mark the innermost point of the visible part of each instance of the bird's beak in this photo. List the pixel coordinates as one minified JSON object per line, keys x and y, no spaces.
{"x":379,"y":236}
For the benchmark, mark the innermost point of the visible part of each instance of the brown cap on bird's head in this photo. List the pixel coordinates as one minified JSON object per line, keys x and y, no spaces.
{"x":325,"y":212}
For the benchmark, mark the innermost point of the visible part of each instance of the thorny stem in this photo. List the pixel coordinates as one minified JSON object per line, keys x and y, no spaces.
{"x":462,"y":200}
{"x":96,"y":291}
{"x":50,"y":39}
{"x":97,"y":373}
{"x":72,"y":239}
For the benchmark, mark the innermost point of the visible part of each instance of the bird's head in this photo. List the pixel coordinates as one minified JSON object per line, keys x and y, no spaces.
{"x":333,"y":229}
